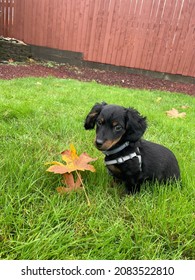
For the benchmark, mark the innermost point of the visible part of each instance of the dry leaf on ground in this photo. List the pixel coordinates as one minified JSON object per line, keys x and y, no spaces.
{"x":185,"y":107}
{"x":73,"y":164}
{"x":173,"y":113}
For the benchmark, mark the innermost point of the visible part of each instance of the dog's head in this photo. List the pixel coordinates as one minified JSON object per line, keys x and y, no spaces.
{"x":114,"y":125}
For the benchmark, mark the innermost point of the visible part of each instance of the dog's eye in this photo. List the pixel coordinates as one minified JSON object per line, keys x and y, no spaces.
{"x":99,"y":122}
{"x":118,"y":127}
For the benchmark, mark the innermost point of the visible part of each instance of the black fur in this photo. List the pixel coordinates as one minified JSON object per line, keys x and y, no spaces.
{"x":114,"y":126}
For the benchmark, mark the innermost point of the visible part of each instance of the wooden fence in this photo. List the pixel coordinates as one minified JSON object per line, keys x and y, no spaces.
{"x":157,"y":35}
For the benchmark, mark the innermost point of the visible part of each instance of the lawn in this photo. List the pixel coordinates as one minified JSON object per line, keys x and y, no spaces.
{"x":39,"y":118}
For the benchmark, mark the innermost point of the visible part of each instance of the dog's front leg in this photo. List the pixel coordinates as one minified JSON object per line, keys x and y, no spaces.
{"x":131,"y":186}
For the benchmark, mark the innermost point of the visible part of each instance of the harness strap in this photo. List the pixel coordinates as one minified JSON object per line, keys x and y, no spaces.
{"x":125,"y":158}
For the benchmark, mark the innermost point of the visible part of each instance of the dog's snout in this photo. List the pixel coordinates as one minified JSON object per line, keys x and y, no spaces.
{"x":99,"y":143}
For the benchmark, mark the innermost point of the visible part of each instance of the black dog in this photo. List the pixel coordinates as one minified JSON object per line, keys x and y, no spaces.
{"x":128,"y":157}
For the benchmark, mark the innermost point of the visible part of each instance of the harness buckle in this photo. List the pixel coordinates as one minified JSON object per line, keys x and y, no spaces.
{"x":120,"y":160}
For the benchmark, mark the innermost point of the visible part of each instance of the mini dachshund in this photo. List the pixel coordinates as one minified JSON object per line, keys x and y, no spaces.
{"x":128,"y":157}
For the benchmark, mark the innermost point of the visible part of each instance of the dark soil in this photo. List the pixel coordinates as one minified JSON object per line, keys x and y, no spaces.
{"x":65,"y":71}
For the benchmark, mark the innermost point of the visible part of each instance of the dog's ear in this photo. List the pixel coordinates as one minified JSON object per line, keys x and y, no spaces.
{"x":93,"y":114}
{"x":135,"y":124}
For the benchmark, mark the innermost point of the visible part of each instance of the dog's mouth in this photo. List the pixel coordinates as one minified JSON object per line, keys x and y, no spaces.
{"x":105,"y":145}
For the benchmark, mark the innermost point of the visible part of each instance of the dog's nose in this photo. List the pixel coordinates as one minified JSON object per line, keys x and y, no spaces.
{"x":99,"y":143}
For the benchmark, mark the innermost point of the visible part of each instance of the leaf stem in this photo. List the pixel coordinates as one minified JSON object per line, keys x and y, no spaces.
{"x":79,"y":176}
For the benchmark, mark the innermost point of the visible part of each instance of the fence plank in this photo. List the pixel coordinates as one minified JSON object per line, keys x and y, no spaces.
{"x":167,"y":34}
{"x":132,"y":41}
{"x":149,"y":34}
{"x":184,"y":26}
{"x":111,"y":47}
{"x":128,"y":31}
{"x":173,"y":35}
{"x":102,"y":19}
{"x":18,"y":25}
{"x":189,"y":47}
{"x":108,"y":28}
{"x":2,"y":25}
{"x":119,"y":42}
{"x":1,"y":19}
{"x":152,"y":55}
{"x":93,"y":31}
{"x":145,"y":17}
{"x":89,"y":21}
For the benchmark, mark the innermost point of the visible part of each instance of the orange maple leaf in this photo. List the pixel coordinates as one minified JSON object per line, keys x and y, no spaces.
{"x":175,"y":114}
{"x":73,"y":162}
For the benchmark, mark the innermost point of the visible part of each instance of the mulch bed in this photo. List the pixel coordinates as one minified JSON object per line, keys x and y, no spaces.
{"x":65,"y":71}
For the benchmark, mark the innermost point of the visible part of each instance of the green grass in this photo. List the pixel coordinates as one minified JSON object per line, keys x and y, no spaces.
{"x":40,"y":117}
